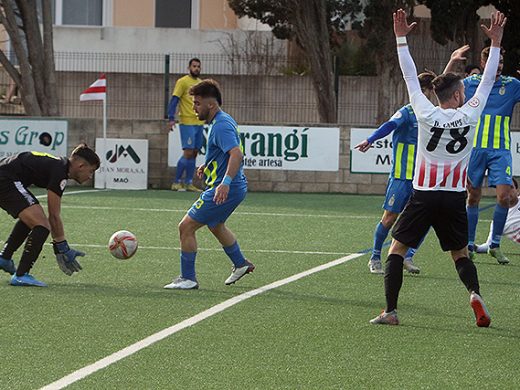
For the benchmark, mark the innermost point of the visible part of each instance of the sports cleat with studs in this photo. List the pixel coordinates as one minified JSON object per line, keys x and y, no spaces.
{"x":237,"y":273}
{"x":7,"y":265}
{"x":181,"y":283}
{"x":26,"y":280}
{"x":497,"y":254}
{"x":191,"y":188}
{"x":479,"y":308}
{"x":375,"y":266}
{"x":177,"y":187}
{"x":410,"y":266}
{"x":386,"y":318}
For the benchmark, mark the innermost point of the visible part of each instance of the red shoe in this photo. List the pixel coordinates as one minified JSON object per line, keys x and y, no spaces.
{"x":479,"y":308}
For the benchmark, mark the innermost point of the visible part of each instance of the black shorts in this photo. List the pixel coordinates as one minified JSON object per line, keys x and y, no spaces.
{"x":14,"y":197}
{"x":445,"y":211}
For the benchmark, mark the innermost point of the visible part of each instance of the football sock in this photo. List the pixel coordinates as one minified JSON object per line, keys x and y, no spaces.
{"x":393,"y":280}
{"x":468,"y":274}
{"x":190,"y":170}
{"x":15,"y":240}
{"x":32,"y":249}
{"x":380,"y":235}
{"x":472,"y":212}
{"x":410,"y":253}
{"x":181,"y":167}
{"x":188,"y":265}
{"x":499,"y":221}
{"x":235,"y":254}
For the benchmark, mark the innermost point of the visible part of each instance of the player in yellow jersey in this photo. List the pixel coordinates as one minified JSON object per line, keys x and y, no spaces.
{"x":189,"y":125}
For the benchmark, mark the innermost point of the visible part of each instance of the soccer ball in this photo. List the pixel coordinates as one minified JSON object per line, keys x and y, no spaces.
{"x":122,"y":244}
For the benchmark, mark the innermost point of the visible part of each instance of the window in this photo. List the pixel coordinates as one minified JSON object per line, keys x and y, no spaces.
{"x":173,"y":13}
{"x":81,"y":12}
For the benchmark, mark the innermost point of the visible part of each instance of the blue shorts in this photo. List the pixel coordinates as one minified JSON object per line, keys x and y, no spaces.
{"x":191,"y":136}
{"x":207,"y":212}
{"x":398,"y":193}
{"x":497,"y":162}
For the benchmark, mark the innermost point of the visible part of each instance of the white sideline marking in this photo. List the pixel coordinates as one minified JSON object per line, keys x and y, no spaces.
{"x":70,"y":193}
{"x":235,"y":213}
{"x":146,"y":342}
{"x":216,"y":249}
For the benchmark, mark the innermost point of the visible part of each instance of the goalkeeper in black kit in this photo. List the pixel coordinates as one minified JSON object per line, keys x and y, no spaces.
{"x":44,"y":170}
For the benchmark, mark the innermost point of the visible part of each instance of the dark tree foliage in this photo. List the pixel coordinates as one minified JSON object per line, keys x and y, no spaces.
{"x":511,"y":40}
{"x":313,"y":24}
{"x":35,"y":73}
{"x":459,"y":22}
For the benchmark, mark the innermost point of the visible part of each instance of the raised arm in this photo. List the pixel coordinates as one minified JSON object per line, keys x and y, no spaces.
{"x":457,"y":55}
{"x":420,"y":103}
{"x":494,"y":32}
{"x":401,"y":30}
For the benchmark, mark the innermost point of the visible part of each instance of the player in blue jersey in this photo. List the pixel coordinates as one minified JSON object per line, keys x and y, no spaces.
{"x":226,"y":188}
{"x":491,"y":153}
{"x":403,"y":124}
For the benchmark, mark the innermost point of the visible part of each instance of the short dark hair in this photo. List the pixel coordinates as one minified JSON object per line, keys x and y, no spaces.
{"x":87,"y":154}
{"x":484,"y":54}
{"x":425,"y":80}
{"x":194,"y":59}
{"x":445,"y":85}
{"x":207,"y":88}
{"x":470,"y":67}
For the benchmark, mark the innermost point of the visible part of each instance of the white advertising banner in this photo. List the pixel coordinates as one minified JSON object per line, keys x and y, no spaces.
{"x":378,"y":159}
{"x":515,"y":151}
{"x":277,"y":148}
{"x":20,"y":135}
{"x":124,"y":165}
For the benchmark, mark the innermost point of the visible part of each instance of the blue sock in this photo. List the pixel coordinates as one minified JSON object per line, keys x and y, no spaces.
{"x":472,"y":212}
{"x":499,"y":220}
{"x":379,"y":238}
{"x":410,"y":253}
{"x":235,"y":254}
{"x":181,"y":167}
{"x":190,"y":170}
{"x":188,"y":265}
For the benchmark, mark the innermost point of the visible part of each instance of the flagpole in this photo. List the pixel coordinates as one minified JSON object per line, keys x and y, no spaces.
{"x":105,"y":140}
{"x":97,"y":91}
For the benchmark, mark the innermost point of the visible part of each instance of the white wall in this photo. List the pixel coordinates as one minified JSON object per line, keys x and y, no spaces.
{"x":139,"y":41}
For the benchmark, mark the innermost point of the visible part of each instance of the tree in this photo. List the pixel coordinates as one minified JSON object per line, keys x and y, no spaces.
{"x":377,"y":30}
{"x":458,"y":21}
{"x":36,"y":77}
{"x":312,"y":24}
{"x":511,"y":43}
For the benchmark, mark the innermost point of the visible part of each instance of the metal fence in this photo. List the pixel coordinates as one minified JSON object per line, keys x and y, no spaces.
{"x":272,"y":89}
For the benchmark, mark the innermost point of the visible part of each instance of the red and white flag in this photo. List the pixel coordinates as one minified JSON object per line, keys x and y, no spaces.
{"x":96,"y":91}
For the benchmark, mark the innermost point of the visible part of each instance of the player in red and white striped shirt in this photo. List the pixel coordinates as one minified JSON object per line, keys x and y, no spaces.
{"x":445,"y":140}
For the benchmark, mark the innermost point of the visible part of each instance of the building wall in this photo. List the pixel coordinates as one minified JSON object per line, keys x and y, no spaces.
{"x":216,"y":15}
{"x":133,"y":13}
{"x":108,"y":40}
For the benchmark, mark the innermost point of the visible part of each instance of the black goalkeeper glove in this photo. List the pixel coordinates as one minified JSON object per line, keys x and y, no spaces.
{"x":66,"y":257}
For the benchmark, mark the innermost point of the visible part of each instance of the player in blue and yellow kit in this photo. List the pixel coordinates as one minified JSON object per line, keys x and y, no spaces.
{"x":403,"y":124}
{"x":492,"y":153}
{"x":190,"y":126}
{"x":226,"y":189}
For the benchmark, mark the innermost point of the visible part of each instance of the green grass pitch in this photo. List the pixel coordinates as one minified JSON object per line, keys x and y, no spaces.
{"x":309,"y":334}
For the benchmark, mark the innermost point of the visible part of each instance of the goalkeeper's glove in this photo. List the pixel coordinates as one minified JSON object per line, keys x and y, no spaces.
{"x":66,"y":257}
